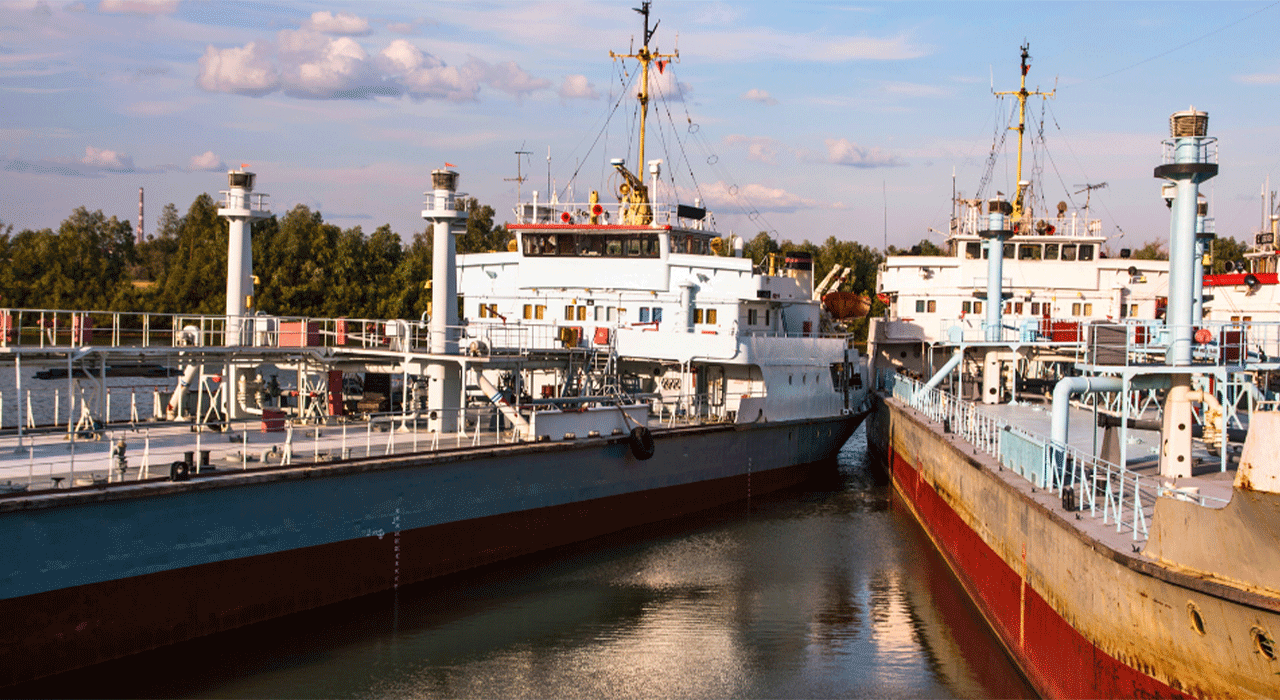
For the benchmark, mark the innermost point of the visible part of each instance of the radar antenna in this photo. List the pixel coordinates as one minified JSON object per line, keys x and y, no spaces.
{"x":1088,"y":192}
{"x":520,"y":177}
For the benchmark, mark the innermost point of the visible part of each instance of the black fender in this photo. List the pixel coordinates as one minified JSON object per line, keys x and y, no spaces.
{"x":641,"y":443}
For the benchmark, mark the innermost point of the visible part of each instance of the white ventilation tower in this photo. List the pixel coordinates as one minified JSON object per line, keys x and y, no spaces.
{"x":240,"y":207}
{"x":444,"y":387}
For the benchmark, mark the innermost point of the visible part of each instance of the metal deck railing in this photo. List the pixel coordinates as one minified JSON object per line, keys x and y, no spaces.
{"x":1117,"y":495}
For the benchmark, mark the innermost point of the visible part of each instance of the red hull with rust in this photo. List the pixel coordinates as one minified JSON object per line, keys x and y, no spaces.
{"x":1056,"y":658}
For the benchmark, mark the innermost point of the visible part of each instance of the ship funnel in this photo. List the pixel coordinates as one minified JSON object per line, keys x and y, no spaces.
{"x":799,"y":266}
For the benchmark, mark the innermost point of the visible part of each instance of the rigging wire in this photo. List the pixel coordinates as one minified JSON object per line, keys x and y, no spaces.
{"x":1182,"y":46}
{"x":564,"y":191}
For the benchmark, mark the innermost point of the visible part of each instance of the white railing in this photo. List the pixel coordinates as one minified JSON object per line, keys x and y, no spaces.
{"x":532,"y":213}
{"x":91,"y":456}
{"x":1085,"y":483}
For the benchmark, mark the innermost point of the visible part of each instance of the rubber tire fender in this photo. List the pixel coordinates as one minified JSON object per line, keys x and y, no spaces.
{"x":641,"y":443}
{"x":179,"y":471}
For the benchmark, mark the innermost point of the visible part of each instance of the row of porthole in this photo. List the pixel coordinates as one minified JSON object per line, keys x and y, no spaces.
{"x":1262,"y":641}
{"x":804,"y":378}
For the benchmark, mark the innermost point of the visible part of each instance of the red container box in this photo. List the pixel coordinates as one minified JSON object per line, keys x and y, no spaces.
{"x":299,"y":334}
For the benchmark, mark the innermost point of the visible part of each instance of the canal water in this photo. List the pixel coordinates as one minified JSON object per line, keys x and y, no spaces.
{"x":826,"y":590}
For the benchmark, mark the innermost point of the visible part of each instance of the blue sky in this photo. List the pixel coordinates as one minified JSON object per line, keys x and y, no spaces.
{"x":809,"y":119}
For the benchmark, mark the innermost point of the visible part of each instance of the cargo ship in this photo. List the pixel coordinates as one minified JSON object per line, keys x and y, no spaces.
{"x":1089,"y":490}
{"x":611,"y":370}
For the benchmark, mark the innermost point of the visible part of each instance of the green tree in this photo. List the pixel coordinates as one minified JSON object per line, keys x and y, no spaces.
{"x":482,"y":236}
{"x":195,"y":281}
{"x":1151,"y":250}
{"x":81,"y":267}
{"x":409,"y":295}
{"x":760,"y":247}
{"x":156,"y":253}
{"x":924,"y":247}
{"x":1226,"y":252}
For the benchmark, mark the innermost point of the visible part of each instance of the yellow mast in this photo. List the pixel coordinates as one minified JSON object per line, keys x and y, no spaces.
{"x":634,"y":189}
{"x":1023,"y":94}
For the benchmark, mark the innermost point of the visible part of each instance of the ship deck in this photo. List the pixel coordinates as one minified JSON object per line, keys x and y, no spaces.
{"x":1108,"y":495}
{"x":52,"y":459}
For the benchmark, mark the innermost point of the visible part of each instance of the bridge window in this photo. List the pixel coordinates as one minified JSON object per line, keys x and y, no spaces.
{"x":1050,"y":251}
{"x":591,"y":245}
{"x":973,"y":250}
{"x":1086,"y":252}
{"x":1029,"y":251}
{"x":1069,"y":252}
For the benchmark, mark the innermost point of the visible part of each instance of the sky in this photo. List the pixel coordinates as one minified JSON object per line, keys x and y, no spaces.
{"x":806,"y":119}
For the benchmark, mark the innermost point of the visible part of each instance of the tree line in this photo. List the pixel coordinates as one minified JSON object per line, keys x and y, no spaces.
{"x":308,"y":267}
{"x":304,"y":265}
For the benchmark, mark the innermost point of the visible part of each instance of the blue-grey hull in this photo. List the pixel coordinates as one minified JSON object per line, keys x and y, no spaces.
{"x":90,"y":575}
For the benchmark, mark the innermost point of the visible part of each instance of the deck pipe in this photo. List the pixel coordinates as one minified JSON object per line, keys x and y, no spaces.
{"x":445,"y":381}
{"x":938,"y":376}
{"x":1062,"y":392}
{"x":1202,"y":241}
{"x":508,"y":411}
{"x":996,"y":233}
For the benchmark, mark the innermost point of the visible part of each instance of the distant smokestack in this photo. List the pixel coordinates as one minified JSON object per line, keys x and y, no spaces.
{"x":141,"y":230}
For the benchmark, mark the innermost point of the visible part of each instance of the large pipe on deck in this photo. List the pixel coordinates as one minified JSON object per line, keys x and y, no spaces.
{"x":941,"y":374}
{"x":1062,"y":392}
{"x":507,"y":410}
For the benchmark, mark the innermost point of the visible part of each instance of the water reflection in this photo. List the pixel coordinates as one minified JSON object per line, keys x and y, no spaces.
{"x":828,"y":590}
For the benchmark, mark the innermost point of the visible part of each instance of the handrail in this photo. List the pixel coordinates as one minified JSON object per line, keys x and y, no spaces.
{"x":1118,"y":495}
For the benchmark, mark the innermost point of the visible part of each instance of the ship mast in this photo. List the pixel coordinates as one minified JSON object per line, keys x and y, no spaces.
{"x":634,"y":190}
{"x":1022,"y":94}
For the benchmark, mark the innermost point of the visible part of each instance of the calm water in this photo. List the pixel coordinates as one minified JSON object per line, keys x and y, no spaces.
{"x":823,"y":591}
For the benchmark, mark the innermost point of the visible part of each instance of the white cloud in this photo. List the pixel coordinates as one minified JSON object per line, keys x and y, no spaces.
{"x":342,"y":24}
{"x":138,"y":7}
{"x":758,"y":95}
{"x":576,"y":87}
{"x":307,"y":63}
{"x":318,"y":66}
{"x":759,"y":148}
{"x":1258,"y":79}
{"x":402,"y":28}
{"x":846,"y":152}
{"x":507,"y":77}
{"x":424,"y":76}
{"x":246,"y":71}
{"x":207,"y":161}
{"x":724,"y":196}
{"x":107,"y":160}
